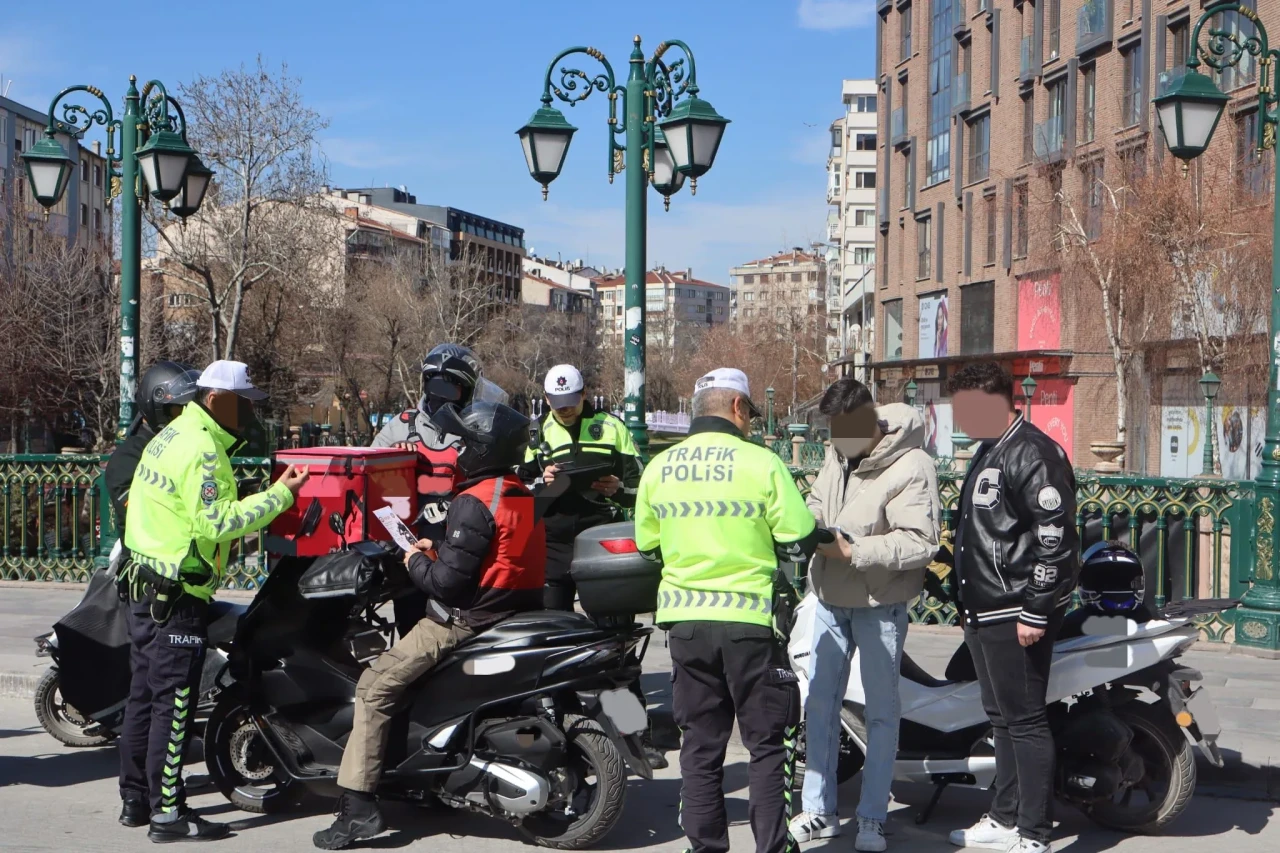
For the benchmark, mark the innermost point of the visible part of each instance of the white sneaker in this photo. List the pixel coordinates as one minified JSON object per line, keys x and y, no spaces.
{"x":986,"y":834}
{"x":870,"y":836}
{"x":1029,"y":845}
{"x":808,"y":826}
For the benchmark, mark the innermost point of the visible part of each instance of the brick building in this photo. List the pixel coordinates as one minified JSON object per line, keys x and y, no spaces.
{"x":989,"y":108}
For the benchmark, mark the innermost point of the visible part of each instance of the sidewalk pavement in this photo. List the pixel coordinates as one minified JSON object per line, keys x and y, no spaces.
{"x":1245,"y":689}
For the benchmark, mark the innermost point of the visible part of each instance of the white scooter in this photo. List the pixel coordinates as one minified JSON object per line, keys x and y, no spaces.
{"x":1125,"y":715}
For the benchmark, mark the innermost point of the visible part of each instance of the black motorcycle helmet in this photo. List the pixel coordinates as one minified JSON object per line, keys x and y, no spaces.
{"x":165,"y":388}
{"x":449,"y":375}
{"x":494,"y":436}
{"x":1112,"y":579}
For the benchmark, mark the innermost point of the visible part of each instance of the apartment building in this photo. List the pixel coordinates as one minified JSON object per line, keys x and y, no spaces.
{"x":678,"y":307}
{"x":84,"y":208}
{"x":794,"y":282}
{"x":851,"y":231}
{"x":988,"y":109}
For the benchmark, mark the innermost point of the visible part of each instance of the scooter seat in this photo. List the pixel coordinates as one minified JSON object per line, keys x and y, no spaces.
{"x":224,"y":616}
{"x":912,"y":671}
{"x":526,"y":624}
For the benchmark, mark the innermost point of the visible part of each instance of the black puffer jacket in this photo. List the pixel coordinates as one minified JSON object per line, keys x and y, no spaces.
{"x":1017,"y":553}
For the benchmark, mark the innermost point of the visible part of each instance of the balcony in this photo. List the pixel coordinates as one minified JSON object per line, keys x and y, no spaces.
{"x":959,"y":17}
{"x":833,"y":194}
{"x":898,"y":126}
{"x":1093,"y":25}
{"x":1048,"y":139}
{"x":984,"y":6}
{"x":1027,"y":54}
{"x":960,"y":93}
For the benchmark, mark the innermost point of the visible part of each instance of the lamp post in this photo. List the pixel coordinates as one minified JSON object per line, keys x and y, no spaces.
{"x":1209,"y":385}
{"x":909,"y":392}
{"x":770,"y":426}
{"x":1028,"y":391}
{"x":669,"y":134}
{"x":1188,"y":112}
{"x":154,"y":151}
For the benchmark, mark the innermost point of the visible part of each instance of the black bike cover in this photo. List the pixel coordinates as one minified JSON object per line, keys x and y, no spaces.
{"x":93,"y":649}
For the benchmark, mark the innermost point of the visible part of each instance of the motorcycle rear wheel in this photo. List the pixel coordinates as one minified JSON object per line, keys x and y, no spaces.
{"x":1169,"y":778}
{"x":598,"y":804}
{"x":60,"y":719}
{"x":226,"y":733}
{"x":851,"y":758}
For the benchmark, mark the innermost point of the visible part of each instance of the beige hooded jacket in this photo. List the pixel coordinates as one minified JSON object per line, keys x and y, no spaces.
{"x":890,"y":506}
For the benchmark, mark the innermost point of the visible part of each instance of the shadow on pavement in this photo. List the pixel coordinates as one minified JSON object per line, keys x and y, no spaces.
{"x":8,"y":733}
{"x":60,"y":770}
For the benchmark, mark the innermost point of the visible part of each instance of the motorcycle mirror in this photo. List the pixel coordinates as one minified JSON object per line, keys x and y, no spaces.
{"x":336,"y":524}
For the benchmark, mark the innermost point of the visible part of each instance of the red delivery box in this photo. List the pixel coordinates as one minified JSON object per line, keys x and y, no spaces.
{"x":347,"y":485}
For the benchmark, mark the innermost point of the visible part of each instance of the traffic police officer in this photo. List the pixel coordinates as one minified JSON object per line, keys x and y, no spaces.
{"x":720,"y":512}
{"x":183,"y":515}
{"x":575,"y":433}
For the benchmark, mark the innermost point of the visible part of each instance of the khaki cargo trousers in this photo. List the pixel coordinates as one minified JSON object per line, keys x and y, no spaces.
{"x":380,"y":694}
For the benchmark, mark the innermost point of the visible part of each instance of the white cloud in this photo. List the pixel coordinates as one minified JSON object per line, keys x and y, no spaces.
{"x":830,"y":15}
{"x":363,"y":153}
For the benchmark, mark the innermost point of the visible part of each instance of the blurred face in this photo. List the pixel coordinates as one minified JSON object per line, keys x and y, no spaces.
{"x":855,"y":433}
{"x":981,"y":416}
{"x":227,"y":409}
{"x":567,"y":415}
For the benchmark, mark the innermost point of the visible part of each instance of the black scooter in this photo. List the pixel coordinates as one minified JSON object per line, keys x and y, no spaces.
{"x":534,"y":721}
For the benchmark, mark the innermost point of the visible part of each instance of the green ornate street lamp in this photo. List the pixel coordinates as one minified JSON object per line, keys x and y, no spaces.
{"x":1028,"y":391}
{"x":770,"y":426}
{"x":1209,"y":385}
{"x":909,"y":392}
{"x":1188,"y":113}
{"x":665,"y":141}
{"x":154,"y":151}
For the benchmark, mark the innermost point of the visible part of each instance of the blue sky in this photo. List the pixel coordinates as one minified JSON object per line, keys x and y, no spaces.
{"x":429,"y":94}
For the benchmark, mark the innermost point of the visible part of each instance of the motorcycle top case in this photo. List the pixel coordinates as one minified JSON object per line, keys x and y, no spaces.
{"x":612,"y":577}
{"x":336,"y":505}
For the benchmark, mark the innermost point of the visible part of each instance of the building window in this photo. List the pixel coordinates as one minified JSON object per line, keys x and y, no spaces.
{"x":924,"y":247}
{"x":1253,"y":170}
{"x":989,"y":202}
{"x":864,"y":216}
{"x":938,"y":149}
{"x":1131,"y":104}
{"x":84,"y":170}
{"x":1238,"y":30}
{"x":1093,"y":188}
{"x":865,"y":180}
{"x":904,"y":26}
{"x":977,"y":318}
{"x":1021,"y":215}
{"x":865,"y":104}
{"x":1088,"y":101}
{"x":865,"y":255}
{"x":893,"y":330}
{"x":764,"y":278}
{"x":1133,"y":166}
{"x":1028,"y":127}
{"x":813,"y":276}
{"x":837,"y":140}
{"x":1055,"y":205}
{"x":835,"y":176}
{"x":748,"y":279}
{"x":980,"y":148}
{"x":1180,"y":35}
{"x":795,"y":276}
{"x":97,"y":220}
{"x":84,"y":214}
{"x":1053,"y":14}
{"x":866,"y":142}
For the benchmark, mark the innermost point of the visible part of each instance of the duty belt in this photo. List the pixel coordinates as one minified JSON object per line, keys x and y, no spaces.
{"x":670,"y":599}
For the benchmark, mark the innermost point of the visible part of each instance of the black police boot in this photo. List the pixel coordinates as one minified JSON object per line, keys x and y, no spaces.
{"x":134,"y":811}
{"x":188,"y":827}
{"x":657,"y":758}
{"x":358,"y":819}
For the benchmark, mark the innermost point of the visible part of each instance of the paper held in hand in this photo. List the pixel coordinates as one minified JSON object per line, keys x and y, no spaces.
{"x":399,"y":531}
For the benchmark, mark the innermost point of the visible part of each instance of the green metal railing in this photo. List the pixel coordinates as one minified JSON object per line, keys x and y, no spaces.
{"x":58,"y":525}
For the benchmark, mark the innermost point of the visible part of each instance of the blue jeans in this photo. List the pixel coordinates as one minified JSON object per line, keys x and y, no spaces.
{"x":879,"y":633}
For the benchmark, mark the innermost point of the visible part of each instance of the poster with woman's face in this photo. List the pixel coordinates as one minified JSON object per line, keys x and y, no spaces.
{"x":934,"y":322}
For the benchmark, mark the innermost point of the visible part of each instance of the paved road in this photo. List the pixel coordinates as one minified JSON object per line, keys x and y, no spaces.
{"x":55,"y":798}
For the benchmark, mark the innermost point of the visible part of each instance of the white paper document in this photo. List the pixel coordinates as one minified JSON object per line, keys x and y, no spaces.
{"x":399,"y":531}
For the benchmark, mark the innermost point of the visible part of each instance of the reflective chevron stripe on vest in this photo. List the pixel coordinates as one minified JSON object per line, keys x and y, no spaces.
{"x":745,"y":602}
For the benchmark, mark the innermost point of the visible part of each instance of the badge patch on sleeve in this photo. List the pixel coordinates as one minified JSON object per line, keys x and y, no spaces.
{"x":208,"y":492}
{"x":1049,"y":498}
{"x":1045,"y":576}
{"x":1050,"y":535}
{"x":596,"y":430}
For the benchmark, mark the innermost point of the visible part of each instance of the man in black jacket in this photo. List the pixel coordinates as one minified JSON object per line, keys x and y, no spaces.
{"x":489,"y":565}
{"x":1017,"y":559}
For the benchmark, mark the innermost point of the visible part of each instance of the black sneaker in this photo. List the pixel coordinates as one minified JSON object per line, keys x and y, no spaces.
{"x":358,"y":819}
{"x":188,"y":827}
{"x":134,"y":812}
{"x":657,"y":758}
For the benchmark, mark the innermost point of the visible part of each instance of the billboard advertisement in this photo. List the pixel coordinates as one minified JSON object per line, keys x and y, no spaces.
{"x":1052,"y":409}
{"x":1040,"y":313}
{"x":934,"y":321}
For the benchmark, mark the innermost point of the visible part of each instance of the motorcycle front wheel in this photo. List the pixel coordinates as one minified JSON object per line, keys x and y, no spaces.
{"x":851,"y":758}
{"x":59,"y":719}
{"x":591,"y":788}
{"x":1169,"y":774}
{"x":241,"y":765}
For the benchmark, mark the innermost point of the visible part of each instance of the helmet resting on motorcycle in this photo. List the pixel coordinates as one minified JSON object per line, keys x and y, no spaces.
{"x":167,"y":386}
{"x":449,"y":375}
{"x":1112,"y":579}
{"x":494,"y":436}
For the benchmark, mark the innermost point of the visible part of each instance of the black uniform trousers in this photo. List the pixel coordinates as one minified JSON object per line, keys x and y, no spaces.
{"x":721,"y":670}
{"x":1014,"y":683}
{"x":560,"y":591}
{"x":163,"y":694}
